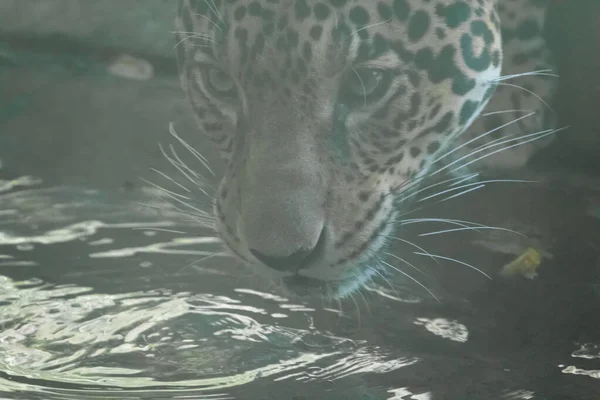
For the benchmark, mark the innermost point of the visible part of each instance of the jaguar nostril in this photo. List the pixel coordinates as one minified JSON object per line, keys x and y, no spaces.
{"x":295,"y":261}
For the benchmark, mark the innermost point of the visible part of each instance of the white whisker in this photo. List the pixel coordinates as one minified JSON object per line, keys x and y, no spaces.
{"x":541,"y":72}
{"x":369,"y":26}
{"x":196,"y":262}
{"x":160,"y":229}
{"x":458,"y":262}
{"x":195,"y":218}
{"x":209,"y":20}
{"x":540,"y":136}
{"x":482,"y":135}
{"x":471,"y":228}
{"x":459,"y":178}
{"x":526,"y":90}
{"x":176,"y":165}
{"x":192,"y":150}
{"x":412,"y":221}
{"x":475,"y":183}
{"x":536,"y":135}
{"x":362,"y":84}
{"x":201,"y":179}
{"x":207,"y":38}
{"x":215,"y":9}
{"x":170,"y":179}
{"x":404,"y":261}
{"x":166,"y":191}
{"x":412,"y":244}
{"x":464,"y":192}
{"x":365,"y":300}
{"x":413,"y":279}
{"x":385,"y":279}
{"x":504,"y":112}
{"x":177,"y":198}
{"x":357,"y":308}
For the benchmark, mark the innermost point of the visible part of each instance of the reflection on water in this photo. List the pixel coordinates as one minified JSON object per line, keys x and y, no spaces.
{"x":66,"y":338}
{"x":69,"y":334}
{"x":100,"y":299}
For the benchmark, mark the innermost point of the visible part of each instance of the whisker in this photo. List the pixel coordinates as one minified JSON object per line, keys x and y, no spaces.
{"x":536,"y":135}
{"x":357,"y":308}
{"x":385,"y":280}
{"x":413,"y":279}
{"x":369,"y":26}
{"x":458,"y":262}
{"x":199,"y":34}
{"x":541,"y":72}
{"x":177,"y":198}
{"x":170,"y":179}
{"x":362,"y":84}
{"x":192,"y":150}
{"x":414,"y":181}
{"x":446,"y":220}
{"x":482,"y":135}
{"x":160,"y":229}
{"x":176,"y":165}
{"x":215,"y":9}
{"x":195,"y":263}
{"x":459,"y":178}
{"x":441,"y":220}
{"x":162,"y":189}
{"x":464,"y":192}
{"x":349,"y":38}
{"x":466,"y":178}
{"x":207,"y":38}
{"x":525,"y":90}
{"x":208,"y":223}
{"x":540,"y":136}
{"x":208,"y":19}
{"x":469,"y":228}
{"x":365,"y":301}
{"x":504,"y":112}
{"x":200,"y":177}
{"x":412,"y":244}
{"x":424,"y":207}
{"x":405,"y":262}
{"x":202,"y":180}
{"x":476,"y":183}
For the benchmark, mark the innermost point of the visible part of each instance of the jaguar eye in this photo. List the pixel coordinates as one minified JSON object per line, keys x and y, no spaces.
{"x":365,"y":85}
{"x":220,"y":83}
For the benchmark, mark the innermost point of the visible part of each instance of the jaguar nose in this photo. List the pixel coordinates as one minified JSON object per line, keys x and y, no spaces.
{"x":295,"y":261}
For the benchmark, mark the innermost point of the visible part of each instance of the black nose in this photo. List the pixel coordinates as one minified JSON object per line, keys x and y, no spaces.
{"x":295,"y":261}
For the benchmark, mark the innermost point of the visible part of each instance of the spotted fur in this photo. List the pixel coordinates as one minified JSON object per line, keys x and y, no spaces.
{"x":326,"y":110}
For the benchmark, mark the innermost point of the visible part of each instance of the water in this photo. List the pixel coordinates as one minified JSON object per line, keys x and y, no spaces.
{"x":102,"y":298}
{"x":99,"y":300}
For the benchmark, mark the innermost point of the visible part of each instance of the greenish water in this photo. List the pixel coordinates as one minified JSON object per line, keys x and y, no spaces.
{"x":98,"y":299}
{"x":103,"y":298}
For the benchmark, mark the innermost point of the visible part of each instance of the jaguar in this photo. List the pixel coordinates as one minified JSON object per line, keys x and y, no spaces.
{"x":329,"y":113}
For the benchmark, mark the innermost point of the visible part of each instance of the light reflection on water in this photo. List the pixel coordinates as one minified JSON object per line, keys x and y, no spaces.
{"x":68,"y":339}
{"x":99,"y":300}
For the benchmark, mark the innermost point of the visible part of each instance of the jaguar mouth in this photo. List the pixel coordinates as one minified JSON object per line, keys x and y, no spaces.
{"x":354,"y":277}
{"x":318,"y":277}
{"x":303,"y":281}
{"x":302,"y":286}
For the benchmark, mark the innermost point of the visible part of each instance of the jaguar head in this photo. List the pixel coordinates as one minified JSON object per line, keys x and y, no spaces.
{"x":326,"y":112}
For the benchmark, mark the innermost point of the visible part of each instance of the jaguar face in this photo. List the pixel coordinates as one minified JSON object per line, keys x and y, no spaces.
{"x":326,"y":113}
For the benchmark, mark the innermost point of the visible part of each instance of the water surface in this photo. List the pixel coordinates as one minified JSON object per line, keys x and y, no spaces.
{"x":101,"y":297}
